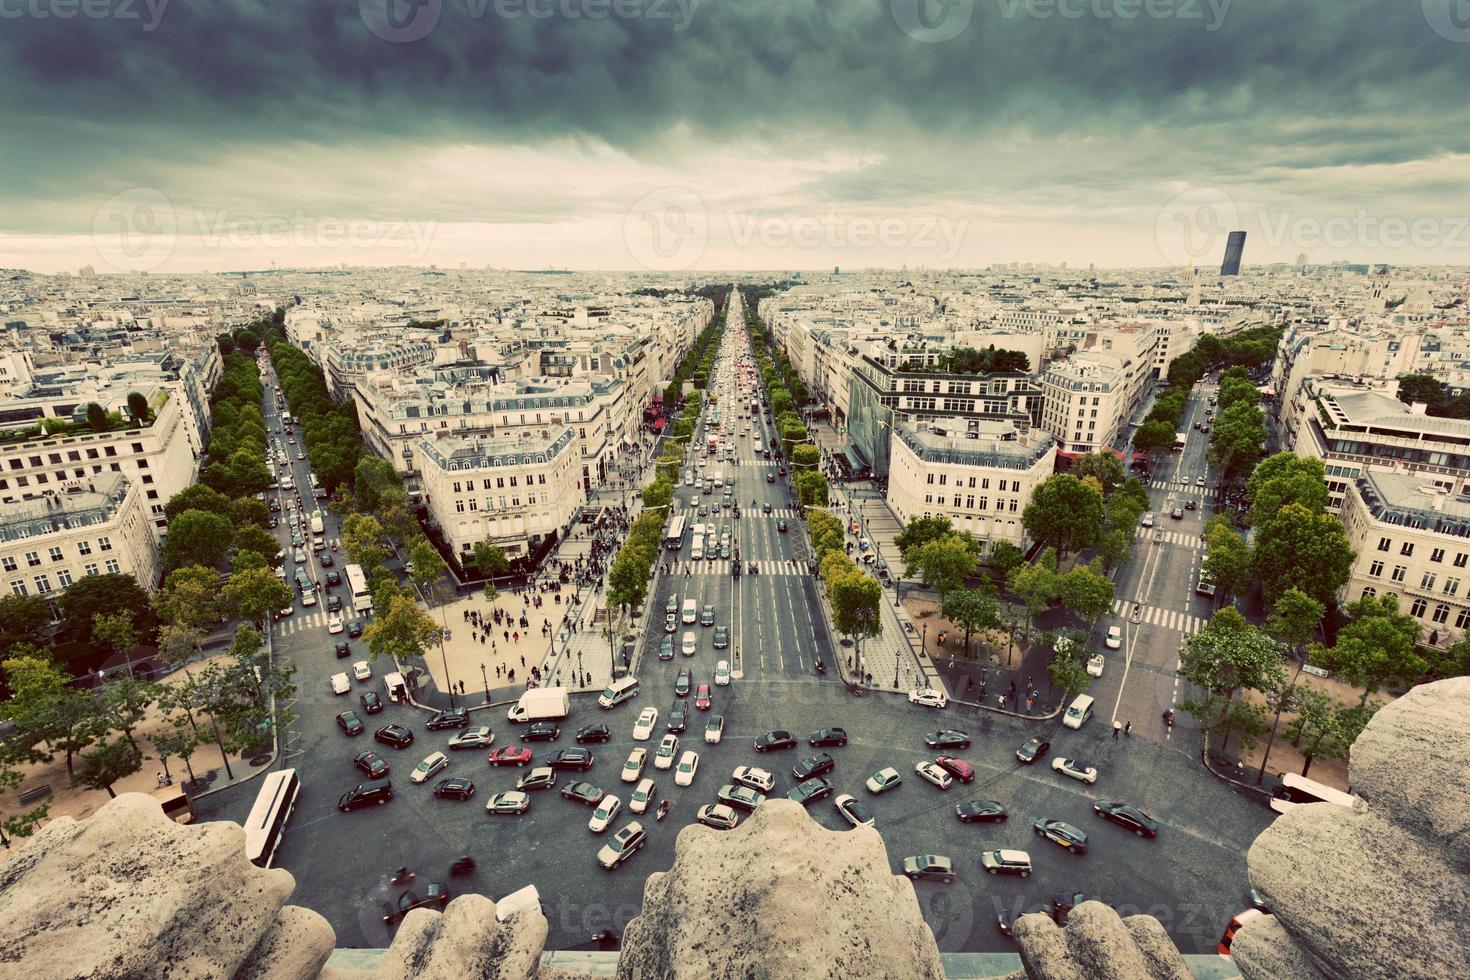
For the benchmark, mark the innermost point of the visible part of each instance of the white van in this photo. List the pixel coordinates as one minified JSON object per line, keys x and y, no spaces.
{"x":520,"y":900}
{"x":691,"y":611}
{"x":340,"y":684}
{"x":617,"y":692}
{"x":393,"y":682}
{"x":1078,"y":712}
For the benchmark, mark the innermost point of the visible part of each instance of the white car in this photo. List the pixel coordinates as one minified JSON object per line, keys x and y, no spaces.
{"x":607,"y":811}
{"x":688,"y":644}
{"x":718,"y":816}
{"x":334,"y":625}
{"x":308,"y":598}
{"x":722,"y":673}
{"x":435,"y":763}
{"x":362,"y":670}
{"x":714,"y":729}
{"x":1114,"y":639}
{"x":647,"y":722}
{"x":1075,"y":768}
{"x":928,"y":697}
{"x":756,"y":779}
{"x":933,"y":773}
{"x":668,"y":748}
{"x":883,"y":780}
{"x":633,"y":768}
{"x":688,"y":766}
{"x":340,"y":684}
{"x":642,"y":796}
{"x":1095,"y":665}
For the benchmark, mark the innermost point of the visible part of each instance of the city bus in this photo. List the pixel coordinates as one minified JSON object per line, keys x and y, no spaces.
{"x":357,"y":587}
{"x":1179,"y":439}
{"x":266,"y":825}
{"x":1296,"y":790}
{"x":675,"y":539}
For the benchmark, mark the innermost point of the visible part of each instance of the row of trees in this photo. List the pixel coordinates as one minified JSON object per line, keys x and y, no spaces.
{"x":854,"y":596}
{"x":333,"y":438}
{"x":697,"y":363}
{"x":785,"y":391}
{"x":1238,"y":438}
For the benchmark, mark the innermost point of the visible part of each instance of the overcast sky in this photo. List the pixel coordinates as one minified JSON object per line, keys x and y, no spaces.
{"x":744,"y":134}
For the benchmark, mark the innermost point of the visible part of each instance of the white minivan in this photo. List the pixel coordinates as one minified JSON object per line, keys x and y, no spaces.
{"x":617,"y":692}
{"x":691,"y":611}
{"x":1078,"y":711}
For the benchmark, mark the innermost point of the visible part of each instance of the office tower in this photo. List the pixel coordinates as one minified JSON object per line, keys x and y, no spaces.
{"x":1233,"y":249}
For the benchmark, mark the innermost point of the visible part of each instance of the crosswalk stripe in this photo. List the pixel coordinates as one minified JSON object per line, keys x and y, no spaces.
{"x":1171,"y":619}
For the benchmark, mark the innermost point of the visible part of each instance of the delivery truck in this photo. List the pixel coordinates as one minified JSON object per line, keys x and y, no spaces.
{"x":541,"y":704}
{"x":316,"y":522}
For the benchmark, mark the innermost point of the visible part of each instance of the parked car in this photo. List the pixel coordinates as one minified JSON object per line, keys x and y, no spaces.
{"x":510,"y":755}
{"x":678,"y":717}
{"x":756,"y":779}
{"x":371,"y":764}
{"x":624,"y":844}
{"x":366,"y":795}
{"x":740,"y":797}
{"x":350,"y":723}
{"x":633,"y":767}
{"x":932,"y":773}
{"x":717,"y":815}
{"x":809,"y":791}
{"x":541,"y":731}
{"x":816,"y":765}
{"x":958,"y":768}
{"x":688,"y":766}
{"x":578,"y":759}
{"x":604,"y":814}
{"x":928,"y":698}
{"x":590,"y":734}
{"x":513,"y":803}
{"x":431,"y":766}
{"x":644,"y":726}
{"x":1006,"y":861}
{"x":884,"y":780}
{"x":1114,"y":639}
{"x":714,"y":729}
{"x":642,"y":796}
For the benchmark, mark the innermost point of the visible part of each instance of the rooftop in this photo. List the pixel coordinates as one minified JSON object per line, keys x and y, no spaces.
{"x":96,"y":503}
{"x":1401,"y":498}
{"x":993,"y":443}
{"x":455,"y":453}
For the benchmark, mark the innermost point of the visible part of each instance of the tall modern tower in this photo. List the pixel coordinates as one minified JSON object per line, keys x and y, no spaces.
{"x":1233,"y":249}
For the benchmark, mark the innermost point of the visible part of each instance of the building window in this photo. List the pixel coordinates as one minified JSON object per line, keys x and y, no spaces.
{"x":1407,"y":549}
{"x":1427,"y":582}
{"x":55,"y":553}
{"x":1399,"y":572}
{"x":1462,"y":617}
{"x":1417,"y":609}
{"x":1451,"y":586}
{"x":33,"y":558}
{"x":1441,"y":613}
{"x":43,"y":584}
{"x":1437,"y":554}
{"x":89,"y":569}
{"x":84,"y":547}
{"x":64,"y":577}
{"x":1375,"y":570}
{"x":104,"y":544}
{"x":18,"y":587}
{"x":8,"y":562}
{"x":112,"y":566}
{"x":1384,"y":544}
{"x":1460,"y":559}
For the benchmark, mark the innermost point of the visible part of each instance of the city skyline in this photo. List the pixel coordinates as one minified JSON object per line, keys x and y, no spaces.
{"x":663,"y":136}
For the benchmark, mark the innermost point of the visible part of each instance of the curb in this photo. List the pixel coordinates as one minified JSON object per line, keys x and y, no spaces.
{"x":1249,"y":789}
{"x":1050,"y":716}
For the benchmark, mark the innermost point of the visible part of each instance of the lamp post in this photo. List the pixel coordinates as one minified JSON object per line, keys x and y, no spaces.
{"x":486,"y":678}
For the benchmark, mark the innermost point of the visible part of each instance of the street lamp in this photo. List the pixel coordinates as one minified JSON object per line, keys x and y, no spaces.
{"x":486,"y":678}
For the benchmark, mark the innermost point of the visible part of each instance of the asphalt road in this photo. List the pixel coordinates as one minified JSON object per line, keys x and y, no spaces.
{"x":1192,"y":877}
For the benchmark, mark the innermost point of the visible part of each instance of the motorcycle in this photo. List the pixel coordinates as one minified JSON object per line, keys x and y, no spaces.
{"x":463,"y":866}
{"x":663,"y":810}
{"x":1169,"y":717}
{"x":402,"y":877}
{"x":821,"y":667}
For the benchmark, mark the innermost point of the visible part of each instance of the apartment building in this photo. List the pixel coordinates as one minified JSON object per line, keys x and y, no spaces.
{"x":1090,"y":398}
{"x":980,"y":477}
{"x":58,"y":537}
{"x":515,"y":491}
{"x":1412,"y":538}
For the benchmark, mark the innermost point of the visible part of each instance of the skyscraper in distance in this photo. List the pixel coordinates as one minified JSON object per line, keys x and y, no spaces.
{"x":1233,"y":249}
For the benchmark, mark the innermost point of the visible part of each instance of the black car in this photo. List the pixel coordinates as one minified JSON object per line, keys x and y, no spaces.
{"x":817,"y":765}
{"x":334,"y":603}
{"x":394,"y":735}
{"x":366,"y":795}
{"x":354,"y":628}
{"x":455,"y":788}
{"x":774,"y":741}
{"x":371,"y":764}
{"x":810,"y":791}
{"x":452,"y":718}
{"x":1063,"y":833}
{"x":371,"y":702}
{"x":579,"y":759}
{"x":333,"y":579}
{"x":593,"y":733}
{"x":327,"y":561}
{"x":666,"y":648}
{"x":947,"y":739}
{"x":350,"y":723}
{"x":1127,"y":816}
{"x":980,"y":811}
{"x":683,"y":682}
{"x":678,"y":717}
{"x":827,"y":736}
{"x":541,"y":731}
{"x":1034,"y":748}
{"x":343,"y":650}
{"x":583,"y":793}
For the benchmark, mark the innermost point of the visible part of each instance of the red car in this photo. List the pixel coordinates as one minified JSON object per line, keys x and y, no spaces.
{"x":958,"y":768}
{"x":701,"y":697}
{"x":510,"y":755}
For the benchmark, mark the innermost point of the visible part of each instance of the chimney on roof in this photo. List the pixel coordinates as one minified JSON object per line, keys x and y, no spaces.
{"x":1419,"y":408}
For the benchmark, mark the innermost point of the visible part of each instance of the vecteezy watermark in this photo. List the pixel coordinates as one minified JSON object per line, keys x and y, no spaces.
{"x":932,"y":21}
{"x":1364,"y":230}
{"x":135,"y":230}
{"x":147,"y":13}
{"x":406,"y":21}
{"x":667,"y":229}
{"x":1211,"y":13}
{"x":1192,"y":227}
{"x":1450,"y":19}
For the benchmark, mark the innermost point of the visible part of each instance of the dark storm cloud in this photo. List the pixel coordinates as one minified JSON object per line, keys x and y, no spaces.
{"x":103,"y":100}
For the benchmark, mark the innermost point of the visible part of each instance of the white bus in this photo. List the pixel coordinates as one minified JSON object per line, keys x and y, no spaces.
{"x":266,"y":825}
{"x":1296,"y":790}
{"x":357,"y":587}
{"x":675,"y":539}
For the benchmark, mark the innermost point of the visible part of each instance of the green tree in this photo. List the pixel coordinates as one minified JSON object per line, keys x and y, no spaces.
{"x":1295,"y":620}
{"x":1297,"y":548}
{"x":1224,"y":718}
{"x":1237,"y":440}
{"x":973,"y":611}
{"x":402,"y":630}
{"x":805,"y":457}
{"x":627,"y":576}
{"x":115,"y":631}
{"x":946,"y":564}
{"x":490,"y":558}
{"x":1036,"y":585}
{"x":97,"y":419}
{"x":1286,"y":478}
{"x":256,"y":593}
{"x":1115,"y":547}
{"x":1063,"y":513}
{"x":1452,"y":661}
{"x":812,"y":489}
{"x":197,"y":537}
{"x":1226,"y":657}
{"x":190,"y":597}
{"x":1004,"y":558}
{"x":1154,"y":437}
{"x":126,"y":702}
{"x":1103,"y":466}
{"x":1228,"y":561}
{"x":1086,"y":591}
{"x":249,"y":537}
{"x":138,"y":406}
{"x":1377,"y":648}
{"x":108,"y":763}
{"x":94,"y":594}
{"x":197,"y":496}
{"x":362,"y":537}
{"x":371,"y":477}
{"x":428,"y":566}
{"x":1424,"y":388}
{"x":856,"y":599}
{"x":658,"y":494}
{"x":23,"y":619}
{"x":922,"y":530}
{"x":1068,"y":672}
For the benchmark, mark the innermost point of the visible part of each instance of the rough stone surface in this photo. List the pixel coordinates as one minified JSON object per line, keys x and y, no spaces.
{"x":295,"y":947}
{"x":1097,"y":945}
{"x":1412,"y":760}
{"x":465,"y":941}
{"x":1269,"y":951}
{"x":1375,"y":891}
{"x":778,"y":896}
{"x":128,"y":892}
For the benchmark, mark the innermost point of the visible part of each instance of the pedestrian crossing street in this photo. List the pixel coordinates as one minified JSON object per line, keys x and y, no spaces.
{"x":722,"y":567}
{"x":1187,"y":487}
{"x":746,"y":513}
{"x":1182,"y":538}
{"x":1168,"y":619}
{"x":314,"y":618}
